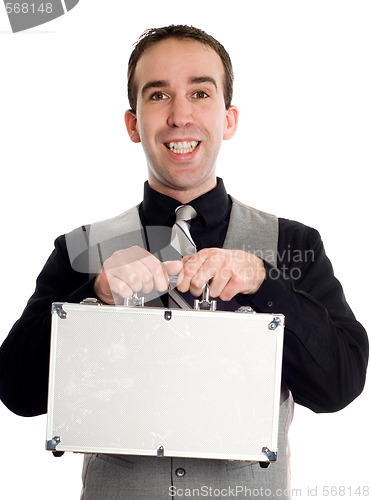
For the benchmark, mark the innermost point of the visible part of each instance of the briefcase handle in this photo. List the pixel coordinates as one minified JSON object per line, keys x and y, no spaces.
{"x":134,"y":301}
{"x":203,"y":304}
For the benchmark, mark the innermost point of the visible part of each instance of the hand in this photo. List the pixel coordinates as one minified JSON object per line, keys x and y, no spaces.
{"x":232,"y":272}
{"x":133,"y":270}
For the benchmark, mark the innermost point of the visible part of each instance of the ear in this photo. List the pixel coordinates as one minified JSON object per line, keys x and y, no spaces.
{"x":231,"y":122}
{"x":131,"y":126}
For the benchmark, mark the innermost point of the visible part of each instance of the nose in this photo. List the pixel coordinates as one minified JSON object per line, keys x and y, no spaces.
{"x":180,"y":112}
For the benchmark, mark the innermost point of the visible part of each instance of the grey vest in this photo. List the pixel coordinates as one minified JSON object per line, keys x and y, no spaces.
{"x":119,"y":477}
{"x":249,"y":229}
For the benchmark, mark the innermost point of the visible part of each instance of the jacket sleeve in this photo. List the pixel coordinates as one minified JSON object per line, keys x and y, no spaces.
{"x":24,"y":355}
{"x":325,"y":347}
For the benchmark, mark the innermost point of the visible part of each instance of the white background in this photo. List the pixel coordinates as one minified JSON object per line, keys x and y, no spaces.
{"x":302,"y":151}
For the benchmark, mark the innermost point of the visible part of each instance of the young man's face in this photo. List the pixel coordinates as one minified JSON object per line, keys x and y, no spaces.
{"x":181,"y":118}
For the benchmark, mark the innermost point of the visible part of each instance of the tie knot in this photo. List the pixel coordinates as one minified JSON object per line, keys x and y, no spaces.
{"x":185,"y":212}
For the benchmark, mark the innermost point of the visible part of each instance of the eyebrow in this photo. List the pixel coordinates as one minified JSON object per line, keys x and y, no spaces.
{"x":155,"y":84}
{"x":204,"y":79}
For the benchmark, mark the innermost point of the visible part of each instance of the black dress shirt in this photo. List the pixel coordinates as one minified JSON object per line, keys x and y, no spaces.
{"x":325,"y":348}
{"x":213,"y":209}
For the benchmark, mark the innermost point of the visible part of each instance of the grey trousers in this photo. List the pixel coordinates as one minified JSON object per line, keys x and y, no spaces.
{"x":152,"y":478}
{"x":132,"y":477}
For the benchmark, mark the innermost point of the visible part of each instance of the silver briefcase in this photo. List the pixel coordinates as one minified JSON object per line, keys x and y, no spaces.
{"x":167,"y":382}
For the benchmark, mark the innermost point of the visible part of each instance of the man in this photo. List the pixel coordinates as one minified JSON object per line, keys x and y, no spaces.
{"x":180,"y":89}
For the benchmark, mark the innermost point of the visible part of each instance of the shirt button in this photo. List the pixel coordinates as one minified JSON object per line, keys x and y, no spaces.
{"x":269,"y":303}
{"x":180,"y":472}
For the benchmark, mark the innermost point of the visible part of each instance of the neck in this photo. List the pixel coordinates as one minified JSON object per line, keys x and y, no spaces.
{"x":184,"y":195}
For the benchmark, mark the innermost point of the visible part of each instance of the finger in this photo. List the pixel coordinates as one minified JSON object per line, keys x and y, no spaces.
{"x":120,"y":288}
{"x":102,"y":288}
{"x":220,"y":281}
{"x":229,"y":291}
{"x":108,"y":284}
{"x":173,"y":267}
{"x":125,"y":257}
{"x":213,"y":268}
{"x":201,"y":278}
{"x":191,"y":266}
{"x":157,"y":272}
{"x":187,"y":272}
{"x":185,"y":259}
{"x":132,"y":275}
{"x":145,"y":274}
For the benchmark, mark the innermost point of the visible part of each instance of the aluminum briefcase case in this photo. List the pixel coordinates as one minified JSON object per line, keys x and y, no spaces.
{"x":166,"y":382}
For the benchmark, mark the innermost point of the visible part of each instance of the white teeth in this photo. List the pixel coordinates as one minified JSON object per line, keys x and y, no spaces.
{"x":182,"y":147}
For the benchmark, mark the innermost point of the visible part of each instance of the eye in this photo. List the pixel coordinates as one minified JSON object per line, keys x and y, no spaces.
{"x":200,"y":94}
{"x":158,"y":96}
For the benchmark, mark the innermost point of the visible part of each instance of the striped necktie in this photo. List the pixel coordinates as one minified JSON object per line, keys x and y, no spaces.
{"x":181,"y":238}
{"x":183,"y":243}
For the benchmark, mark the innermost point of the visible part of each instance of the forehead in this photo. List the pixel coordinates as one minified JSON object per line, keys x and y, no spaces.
{"x":176,"y":61}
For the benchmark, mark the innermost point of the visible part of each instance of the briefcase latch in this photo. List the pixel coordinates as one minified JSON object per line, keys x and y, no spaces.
{"x":57,"y":308}
{"x":91,"y":301}
{"x":246,"y":310}
{"x":271,"y":455}
{"x":205,"y":304}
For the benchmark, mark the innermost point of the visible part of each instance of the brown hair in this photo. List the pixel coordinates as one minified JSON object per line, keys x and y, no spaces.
{"x":180,"y":32}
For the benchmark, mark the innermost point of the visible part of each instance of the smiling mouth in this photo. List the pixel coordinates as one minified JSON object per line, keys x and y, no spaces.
{"x":182,"y":147}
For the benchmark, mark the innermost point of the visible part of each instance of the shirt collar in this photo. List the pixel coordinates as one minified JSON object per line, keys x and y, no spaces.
{"x":212,"y":207}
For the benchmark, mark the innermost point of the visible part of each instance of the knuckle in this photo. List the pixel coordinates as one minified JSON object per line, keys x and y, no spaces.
{"x":158,"y":269}
{"x":147,"y":278}
{"x":189,"y":270}
{"x":131,"y":277}
{"x":121,"y":289}
{"x":216,"y":255}
{"x":203,"y":253}
{"x":225,"y":274}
